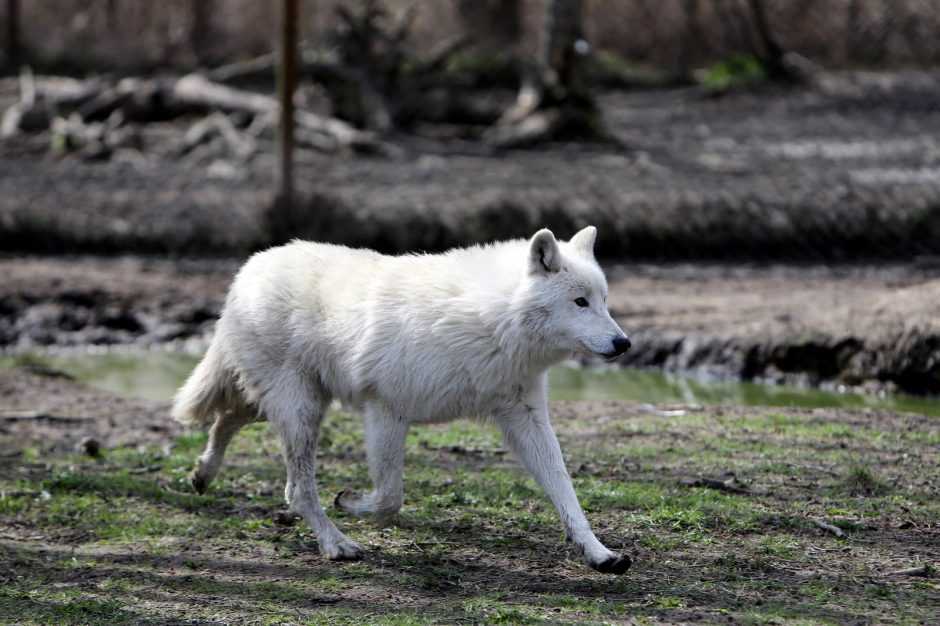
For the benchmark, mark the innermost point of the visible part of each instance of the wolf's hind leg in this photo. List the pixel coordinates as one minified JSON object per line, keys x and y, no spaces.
{"x":385,"y":448}
{"x":295,"y":408}
{"x":220,"y":435}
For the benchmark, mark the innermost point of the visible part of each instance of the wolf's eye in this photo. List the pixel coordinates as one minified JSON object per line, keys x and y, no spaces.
{"x":581,"y":301}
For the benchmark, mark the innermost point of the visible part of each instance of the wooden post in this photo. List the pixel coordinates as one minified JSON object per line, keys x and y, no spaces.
{"x":13,"y":32}
{"x":286,"y":81}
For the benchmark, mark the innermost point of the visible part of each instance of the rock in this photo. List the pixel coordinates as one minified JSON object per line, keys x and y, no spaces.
{"x":23,"y":117}
{"x":90,"y":446}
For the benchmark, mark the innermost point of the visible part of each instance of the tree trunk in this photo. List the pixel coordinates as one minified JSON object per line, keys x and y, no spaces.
{"x":771,"y":53}
{"x":560,"y":61}
{"x":555,"y":104}
{"x":691,"y":46}
{"x":13,"y":49}
{"x":851,"y":33}
{"x":754,"y":36}
{"x":773,"y":56}
{"x":200,"y":29}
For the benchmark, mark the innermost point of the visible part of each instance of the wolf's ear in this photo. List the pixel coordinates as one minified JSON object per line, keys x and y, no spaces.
{"x":583,"y":242}
{"x":544,"y":255}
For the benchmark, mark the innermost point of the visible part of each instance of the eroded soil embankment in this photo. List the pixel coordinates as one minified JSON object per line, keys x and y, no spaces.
{"x":875,"y":328}
{"x":871,"y":327}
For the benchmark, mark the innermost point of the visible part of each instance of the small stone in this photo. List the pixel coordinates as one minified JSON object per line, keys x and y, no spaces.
{"x":90,"y":446}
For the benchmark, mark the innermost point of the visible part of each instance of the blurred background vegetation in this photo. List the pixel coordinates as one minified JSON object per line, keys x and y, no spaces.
{"x":675,"y":36}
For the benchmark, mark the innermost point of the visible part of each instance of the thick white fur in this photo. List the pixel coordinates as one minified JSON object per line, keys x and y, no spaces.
{"x":404,"y":339}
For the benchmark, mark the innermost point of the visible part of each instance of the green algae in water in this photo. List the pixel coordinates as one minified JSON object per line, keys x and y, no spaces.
{"x":586,"y":383}
{"x":149,"y":375}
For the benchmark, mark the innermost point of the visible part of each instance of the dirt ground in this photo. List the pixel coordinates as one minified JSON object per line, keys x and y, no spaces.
{"x":874,"y":327}
{"x":844,"y":169}
{"x":715,"y":505}
{"x":49,"y":410}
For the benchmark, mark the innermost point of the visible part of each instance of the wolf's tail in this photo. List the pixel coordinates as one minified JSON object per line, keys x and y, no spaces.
{"x":208,"y":391}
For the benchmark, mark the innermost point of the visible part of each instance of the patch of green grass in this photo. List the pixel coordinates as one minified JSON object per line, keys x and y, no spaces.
{"x":735,"y":71}
{"x":668,"y":602}
{"x":778,"y":545}
{"x":61,"y":608}
{"x":793,"y":426}
{"x":114,"y":541}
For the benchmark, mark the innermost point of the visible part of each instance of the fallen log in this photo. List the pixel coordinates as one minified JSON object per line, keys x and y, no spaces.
{"x":26,"y":118}
{"x":922,"y":570}
{"x":139,"y":100}
{"x":93,"y":140}
{"x":104,"y":104}
{"x":41,"y":99}
{"x":217,"y":124}
{"x":726,"y":486}
{"x":196,"y":90}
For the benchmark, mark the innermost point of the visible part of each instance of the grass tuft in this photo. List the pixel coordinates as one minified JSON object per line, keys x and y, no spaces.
{"x":862,"y":480}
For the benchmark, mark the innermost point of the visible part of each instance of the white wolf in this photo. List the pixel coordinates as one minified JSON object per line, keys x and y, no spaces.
{"x":404,"y":339}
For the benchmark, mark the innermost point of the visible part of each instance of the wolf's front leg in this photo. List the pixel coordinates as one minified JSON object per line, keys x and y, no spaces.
{"x":528,"y":433}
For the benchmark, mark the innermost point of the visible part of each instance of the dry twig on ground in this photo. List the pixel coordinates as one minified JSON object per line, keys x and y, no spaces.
{"x":835,"y":530}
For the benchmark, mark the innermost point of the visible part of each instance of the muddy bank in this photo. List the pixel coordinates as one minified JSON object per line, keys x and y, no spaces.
{"x":49,"y":410}
{"x":874,"y":328}
{"x":867,"y":327}
{"x":847,"y":169}
{"x":81,"y":302}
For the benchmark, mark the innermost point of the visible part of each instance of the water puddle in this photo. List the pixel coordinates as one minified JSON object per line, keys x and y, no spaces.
{"x":157,"y":375}
{"x":568,"y":383}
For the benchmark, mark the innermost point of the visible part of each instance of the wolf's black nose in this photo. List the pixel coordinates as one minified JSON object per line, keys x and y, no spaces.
{"x":621,"y":345}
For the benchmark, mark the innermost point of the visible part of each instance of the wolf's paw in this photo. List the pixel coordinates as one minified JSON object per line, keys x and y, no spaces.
{"x":198,"y":481}
{"x":613,"y":564}
{"x":348,"y":501}
{"x":285,"y":518}
{"x":360,"y":505}
{"x":344,"y":549}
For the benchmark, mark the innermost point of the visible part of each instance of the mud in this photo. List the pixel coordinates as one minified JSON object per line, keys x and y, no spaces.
{"x":57,"y":414}
{"x":227,"y":563}
{"x":868,"y":327}
{"x":87,"y":302}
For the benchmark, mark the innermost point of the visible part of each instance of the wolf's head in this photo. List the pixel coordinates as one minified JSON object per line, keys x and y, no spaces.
{"x":566,"y":296}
